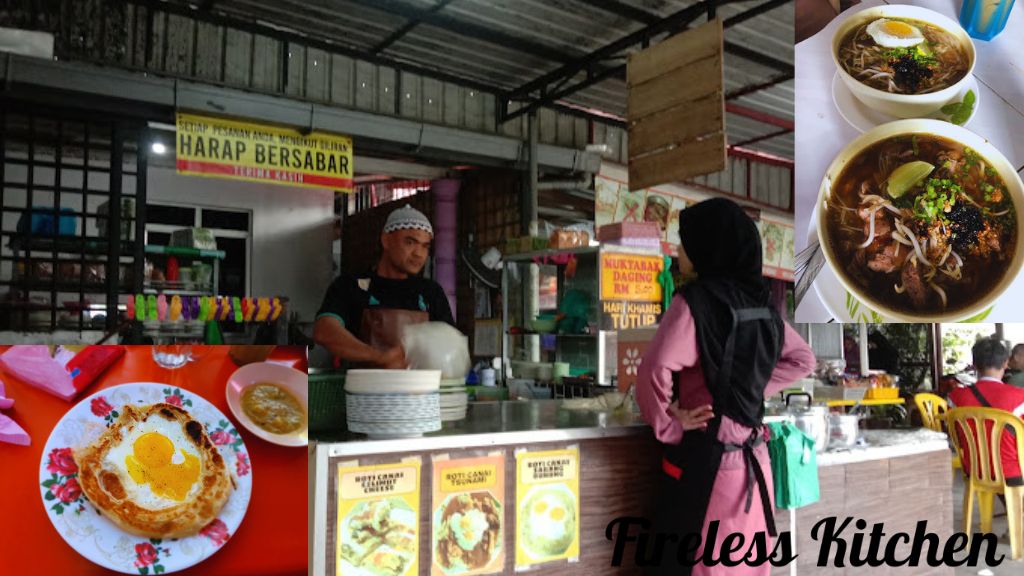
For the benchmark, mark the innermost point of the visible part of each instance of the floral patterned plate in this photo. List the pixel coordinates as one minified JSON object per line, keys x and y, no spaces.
{"x":98,"y":539}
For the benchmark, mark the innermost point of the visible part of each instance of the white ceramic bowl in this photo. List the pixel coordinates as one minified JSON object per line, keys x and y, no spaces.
{"x":295,"y":381}
{"x":939,"y":128}
{"x":902,"y":105}
{"x":392,"y":381}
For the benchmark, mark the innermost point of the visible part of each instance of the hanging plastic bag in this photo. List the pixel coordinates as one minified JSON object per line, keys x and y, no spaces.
{"x":794,"y":466}
{"x":436,"y":346}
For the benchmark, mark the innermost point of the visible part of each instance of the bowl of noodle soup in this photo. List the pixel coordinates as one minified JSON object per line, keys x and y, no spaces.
{"x":920,"y":220}
{"x":904,"y":61}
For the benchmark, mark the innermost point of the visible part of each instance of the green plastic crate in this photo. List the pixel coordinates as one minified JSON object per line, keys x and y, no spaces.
{"x":326,"y":402}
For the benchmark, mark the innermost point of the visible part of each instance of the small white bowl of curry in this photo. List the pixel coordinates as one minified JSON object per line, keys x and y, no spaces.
{"x":271,"y":401}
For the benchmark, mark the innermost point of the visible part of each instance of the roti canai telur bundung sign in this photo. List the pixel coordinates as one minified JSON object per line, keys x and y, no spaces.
{"x":207,"y":146}
{"x":548,"y":507}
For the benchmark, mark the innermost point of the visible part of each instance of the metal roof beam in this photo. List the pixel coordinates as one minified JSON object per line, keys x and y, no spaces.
{"x":405,"y":29}
{"x":625,"y":10}
{"x":282,"y":34}
{"x":758,"y":57}
{"x":755,"y":12}
{"x":758,"y":115}
{"x":764,"y":137}
{"x":751,"y":88}
{"x":680,"y":19}
{"x":467,"y":29}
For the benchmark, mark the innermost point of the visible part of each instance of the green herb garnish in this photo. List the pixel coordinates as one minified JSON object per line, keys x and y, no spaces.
{"x":959,"y":112}
{"x":922,"y":57}
{"x":937,"y":200}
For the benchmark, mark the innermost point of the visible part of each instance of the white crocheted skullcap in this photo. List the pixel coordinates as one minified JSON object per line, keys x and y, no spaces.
{"x":407,"y":218}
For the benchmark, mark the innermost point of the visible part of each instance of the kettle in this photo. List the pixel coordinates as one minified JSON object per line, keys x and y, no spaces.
{"x":811,"y":420}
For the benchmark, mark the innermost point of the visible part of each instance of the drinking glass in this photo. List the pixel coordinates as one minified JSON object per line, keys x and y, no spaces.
{"x":172,"y":356}
{"x":984,"y":19}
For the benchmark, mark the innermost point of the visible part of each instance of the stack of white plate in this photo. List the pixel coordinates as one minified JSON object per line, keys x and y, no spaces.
{"x":393,"y":403}
{"x":454,"y":400}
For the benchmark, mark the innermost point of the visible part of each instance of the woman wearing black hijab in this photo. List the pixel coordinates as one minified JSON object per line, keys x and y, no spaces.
{"x":719,"y":350}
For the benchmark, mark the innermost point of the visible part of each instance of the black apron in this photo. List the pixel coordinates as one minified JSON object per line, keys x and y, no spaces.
{"x":381,"y":328}
{"x":690,"y":467}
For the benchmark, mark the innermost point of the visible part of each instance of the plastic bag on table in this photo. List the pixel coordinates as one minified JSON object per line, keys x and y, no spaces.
{"x":63,"y":371}
{"x":437,"y":346}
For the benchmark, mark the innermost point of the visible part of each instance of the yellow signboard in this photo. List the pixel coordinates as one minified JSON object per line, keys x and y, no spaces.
{"x":207,"y":146}
{"x":629,"y":315}
{"x":547,"y":506}
{"x":632,"y":278}
{"x":468,"y":518}
{"x":378,"y":519}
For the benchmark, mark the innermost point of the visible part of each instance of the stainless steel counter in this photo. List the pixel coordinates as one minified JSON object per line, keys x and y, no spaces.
{"x":498,"y":423}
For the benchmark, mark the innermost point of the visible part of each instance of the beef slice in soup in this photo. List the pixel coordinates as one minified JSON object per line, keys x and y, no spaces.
{"x":922,"y":224}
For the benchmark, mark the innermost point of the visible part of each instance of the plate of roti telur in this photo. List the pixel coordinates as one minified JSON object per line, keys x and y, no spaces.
{"x":145,"y":478}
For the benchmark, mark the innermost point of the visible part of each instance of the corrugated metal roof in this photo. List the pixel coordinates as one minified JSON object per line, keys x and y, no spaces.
{"x":508,"y":44}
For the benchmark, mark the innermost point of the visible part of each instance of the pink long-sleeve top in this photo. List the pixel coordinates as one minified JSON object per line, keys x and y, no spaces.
{"x":674,"y":349}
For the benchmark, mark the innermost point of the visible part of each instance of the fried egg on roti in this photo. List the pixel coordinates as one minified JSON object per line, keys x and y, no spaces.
{"x":154,"y":472}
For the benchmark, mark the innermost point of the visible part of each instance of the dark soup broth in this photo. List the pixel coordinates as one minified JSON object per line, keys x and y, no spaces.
{"x":921,"y":223}
{"x":903,"y":56}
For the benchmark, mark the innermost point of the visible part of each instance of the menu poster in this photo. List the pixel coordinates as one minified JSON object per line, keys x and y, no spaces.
{"x":468,"y":516}
{"x":631,"y":296}
{"x":777,"y":242}
{"x":547,"y":506}
{"x":615,"y":202}
{"x":378,"y":519}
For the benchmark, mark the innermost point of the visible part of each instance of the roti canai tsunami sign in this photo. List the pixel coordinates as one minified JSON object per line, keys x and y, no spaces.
{"x":221,"y":148}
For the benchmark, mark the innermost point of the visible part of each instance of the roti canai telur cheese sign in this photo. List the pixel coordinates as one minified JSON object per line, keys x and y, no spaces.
{"x":220,"y":148}
{"x":378,"y":519}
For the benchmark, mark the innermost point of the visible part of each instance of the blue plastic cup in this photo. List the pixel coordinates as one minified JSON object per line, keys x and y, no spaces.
{"x":984,"y":19}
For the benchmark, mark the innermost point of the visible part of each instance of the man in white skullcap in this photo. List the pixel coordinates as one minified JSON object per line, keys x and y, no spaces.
{"x":362,"y":317}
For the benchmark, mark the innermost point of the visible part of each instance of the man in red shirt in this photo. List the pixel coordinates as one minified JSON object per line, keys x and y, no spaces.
{"x":990,"y":362}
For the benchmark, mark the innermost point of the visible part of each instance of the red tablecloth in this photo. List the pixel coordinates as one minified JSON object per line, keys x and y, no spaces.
{"x":271,"y":538}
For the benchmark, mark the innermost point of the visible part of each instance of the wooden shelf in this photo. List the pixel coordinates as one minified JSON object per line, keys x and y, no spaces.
{"x":185,"y":251}
{"x":67,"y":245}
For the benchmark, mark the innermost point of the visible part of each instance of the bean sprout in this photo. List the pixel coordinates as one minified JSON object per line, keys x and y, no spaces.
{"x":945,"y":255}
{"x":942,"y":293}
{"x":871,"y":233}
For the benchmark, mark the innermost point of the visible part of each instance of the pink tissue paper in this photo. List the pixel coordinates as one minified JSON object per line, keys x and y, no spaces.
{"x":9,"y":429}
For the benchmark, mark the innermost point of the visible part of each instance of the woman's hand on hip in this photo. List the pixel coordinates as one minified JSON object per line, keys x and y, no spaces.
{"x":695,"y":419}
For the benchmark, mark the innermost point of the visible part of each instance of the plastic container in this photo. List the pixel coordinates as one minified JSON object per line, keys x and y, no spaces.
{"x":543,"y":325}
{"x":42,"y":223}
{"x":545,"y":372}
{"x":561,"y":370}
{"x":887,"y":393}
{"x":984,"y":19}
{"x":488,"y":377}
